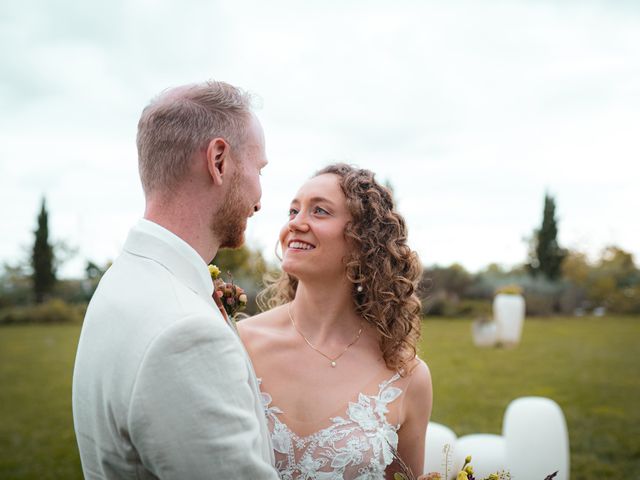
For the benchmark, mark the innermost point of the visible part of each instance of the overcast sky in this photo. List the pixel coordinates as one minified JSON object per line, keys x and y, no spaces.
{"x":470,"y":109}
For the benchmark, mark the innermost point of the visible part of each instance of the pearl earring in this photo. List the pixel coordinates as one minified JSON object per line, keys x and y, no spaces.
{"x":359,"y":288}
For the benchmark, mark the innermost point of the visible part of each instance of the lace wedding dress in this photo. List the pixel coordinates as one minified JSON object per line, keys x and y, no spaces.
{"x":358,"y":445}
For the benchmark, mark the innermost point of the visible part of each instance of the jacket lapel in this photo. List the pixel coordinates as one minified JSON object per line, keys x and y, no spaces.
{"x":146,"y":245}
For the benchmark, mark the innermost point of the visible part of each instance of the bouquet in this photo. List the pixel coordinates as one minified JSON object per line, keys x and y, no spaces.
{"x":466,"y":473}
{"x":227,"y":295}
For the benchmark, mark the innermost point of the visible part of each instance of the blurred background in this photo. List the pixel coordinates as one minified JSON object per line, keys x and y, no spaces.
{"x":508,"y":132}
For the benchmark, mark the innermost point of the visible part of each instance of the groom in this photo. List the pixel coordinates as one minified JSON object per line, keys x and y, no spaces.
{"x":162,"y":387}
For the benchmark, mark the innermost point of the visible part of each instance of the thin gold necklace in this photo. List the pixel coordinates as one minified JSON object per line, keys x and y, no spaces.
{"x":332,"y":360}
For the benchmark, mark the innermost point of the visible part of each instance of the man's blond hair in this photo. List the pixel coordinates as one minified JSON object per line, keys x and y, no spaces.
{"x":181,"y":122}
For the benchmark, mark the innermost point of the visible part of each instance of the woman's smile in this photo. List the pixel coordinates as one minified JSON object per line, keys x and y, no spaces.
{"x":300,"y":245}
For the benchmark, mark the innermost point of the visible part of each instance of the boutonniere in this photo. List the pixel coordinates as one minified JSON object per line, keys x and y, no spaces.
{"x":227,"y":295}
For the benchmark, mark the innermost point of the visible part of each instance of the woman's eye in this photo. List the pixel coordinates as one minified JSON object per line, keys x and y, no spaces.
{"x":292,"y":212}
{"x":320,"y":210}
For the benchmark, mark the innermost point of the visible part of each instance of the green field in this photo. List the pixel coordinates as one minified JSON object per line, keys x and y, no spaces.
{"x":588,"y":365}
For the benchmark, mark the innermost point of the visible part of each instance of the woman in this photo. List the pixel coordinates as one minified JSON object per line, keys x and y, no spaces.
{"x":344,"y":393}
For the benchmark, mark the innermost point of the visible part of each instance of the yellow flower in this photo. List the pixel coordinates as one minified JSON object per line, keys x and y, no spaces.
{"x":214,"y":271}
{"x":468,"y":459}
{"x":510,"y":290}
{"x":469,"y":469}
{"x":494,"y":476}
{"x":462,"y":476}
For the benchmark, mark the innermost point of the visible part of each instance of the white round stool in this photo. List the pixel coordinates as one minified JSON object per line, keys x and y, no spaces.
{"x":437,"y":437}
{"x":537,"y":440}
{"x":488,"y":453}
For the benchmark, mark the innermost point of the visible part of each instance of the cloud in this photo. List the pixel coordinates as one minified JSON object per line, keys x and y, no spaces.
{"x":470,"y":109}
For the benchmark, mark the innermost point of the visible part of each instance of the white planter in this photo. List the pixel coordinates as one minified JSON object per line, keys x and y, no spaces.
{"x":485,"y":334}
{"x":508,"y":313}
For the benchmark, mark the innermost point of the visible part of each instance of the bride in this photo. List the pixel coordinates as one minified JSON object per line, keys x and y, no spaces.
{"x":344,"y":393}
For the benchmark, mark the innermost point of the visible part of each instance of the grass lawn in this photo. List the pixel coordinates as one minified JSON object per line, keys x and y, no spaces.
{"x":36,"y":428}
{"x":588,"y":365}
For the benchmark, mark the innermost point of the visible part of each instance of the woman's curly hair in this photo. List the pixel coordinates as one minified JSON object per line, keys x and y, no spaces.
{"x":381,"y":262}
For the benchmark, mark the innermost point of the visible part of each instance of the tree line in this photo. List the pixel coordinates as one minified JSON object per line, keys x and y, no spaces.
{"x":553,"y":279}
{"x":31,"y":290}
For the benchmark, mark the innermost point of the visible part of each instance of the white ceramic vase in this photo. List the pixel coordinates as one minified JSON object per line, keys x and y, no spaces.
{"x":508,"y":313}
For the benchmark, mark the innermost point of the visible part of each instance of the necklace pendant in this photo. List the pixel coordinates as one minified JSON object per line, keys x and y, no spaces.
{"x":333,"y":364}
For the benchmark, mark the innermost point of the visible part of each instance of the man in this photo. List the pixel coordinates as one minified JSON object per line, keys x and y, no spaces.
{"x":162,"y":387}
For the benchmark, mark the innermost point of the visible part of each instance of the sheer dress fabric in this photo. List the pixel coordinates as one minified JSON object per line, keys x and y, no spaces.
{"x":358,"y":444}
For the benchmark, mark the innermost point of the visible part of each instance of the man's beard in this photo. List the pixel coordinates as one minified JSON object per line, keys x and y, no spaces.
{"x":231,"y":220}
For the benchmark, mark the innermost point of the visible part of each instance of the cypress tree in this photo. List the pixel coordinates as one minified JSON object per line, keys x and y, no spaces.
{"x":547,"y":255}
{"x":42,"y":259}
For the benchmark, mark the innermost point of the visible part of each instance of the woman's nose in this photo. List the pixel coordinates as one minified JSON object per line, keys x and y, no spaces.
{"x":298,"y":223}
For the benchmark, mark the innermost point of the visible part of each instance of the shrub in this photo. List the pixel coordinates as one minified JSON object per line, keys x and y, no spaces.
{"x":539,"y":304}
{"x":442,"y":305}
{"x":472,"y":308}
{"x":434,"y":304}
{"x":625,"y":301}
{"x":53,"y":311}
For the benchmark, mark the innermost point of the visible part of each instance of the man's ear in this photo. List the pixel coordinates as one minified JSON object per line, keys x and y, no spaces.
{"x":217,"y":159}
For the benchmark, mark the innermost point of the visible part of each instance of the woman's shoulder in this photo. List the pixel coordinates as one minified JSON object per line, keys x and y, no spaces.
{"x":418,"y":394}
{"x":419,"y":387}
{"x":260,"y":325}
{"x":419,"y":368}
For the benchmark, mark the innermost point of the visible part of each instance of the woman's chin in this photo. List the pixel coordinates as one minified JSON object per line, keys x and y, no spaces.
{"x":291,"y":267}
{"x":299,"y":269}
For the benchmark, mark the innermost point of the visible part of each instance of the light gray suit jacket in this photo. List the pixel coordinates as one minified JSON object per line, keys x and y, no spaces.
{"x":162,"y":386}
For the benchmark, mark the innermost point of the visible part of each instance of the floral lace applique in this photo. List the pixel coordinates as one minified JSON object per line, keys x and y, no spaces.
{"x":358,"y":446}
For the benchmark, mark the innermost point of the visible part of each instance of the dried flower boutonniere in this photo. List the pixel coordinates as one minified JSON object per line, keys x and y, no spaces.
{"x":227,"y":295}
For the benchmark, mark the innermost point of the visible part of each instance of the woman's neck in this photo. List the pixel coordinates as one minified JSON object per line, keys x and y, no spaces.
{"x":325,"y":313}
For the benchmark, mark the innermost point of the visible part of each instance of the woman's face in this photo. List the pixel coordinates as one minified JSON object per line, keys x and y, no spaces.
{"x":313,"y":242}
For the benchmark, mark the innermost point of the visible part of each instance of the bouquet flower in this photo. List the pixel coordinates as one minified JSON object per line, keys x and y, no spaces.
{"x":227,"y":295}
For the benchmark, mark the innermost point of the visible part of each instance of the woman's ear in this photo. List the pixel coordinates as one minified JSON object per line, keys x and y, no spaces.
{"x":217,"y":154}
